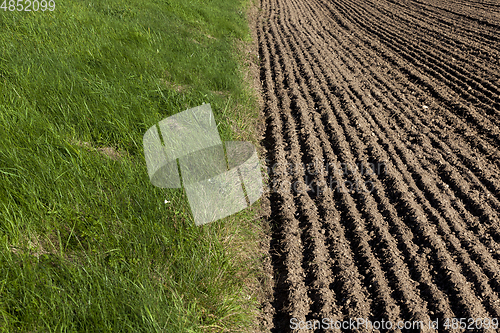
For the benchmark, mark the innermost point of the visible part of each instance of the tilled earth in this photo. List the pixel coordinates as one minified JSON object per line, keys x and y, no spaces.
{"x":382,"y":138}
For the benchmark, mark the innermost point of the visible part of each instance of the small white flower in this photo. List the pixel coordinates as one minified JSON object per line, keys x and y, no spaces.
{"x":166,"y":201}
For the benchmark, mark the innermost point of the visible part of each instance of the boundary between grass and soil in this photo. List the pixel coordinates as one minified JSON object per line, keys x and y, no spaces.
{"x":86,"y":242}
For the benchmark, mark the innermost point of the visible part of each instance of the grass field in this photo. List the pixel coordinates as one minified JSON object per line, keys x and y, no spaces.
{"x":87,"y":243}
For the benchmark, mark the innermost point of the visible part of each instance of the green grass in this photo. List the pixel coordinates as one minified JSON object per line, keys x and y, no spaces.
{"x":87,"y":244}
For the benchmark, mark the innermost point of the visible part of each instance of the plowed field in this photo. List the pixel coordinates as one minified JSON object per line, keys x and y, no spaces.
{"x":382,"y":138}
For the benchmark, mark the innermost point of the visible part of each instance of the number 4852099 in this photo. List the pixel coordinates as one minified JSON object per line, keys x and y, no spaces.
{"x":28,"y":5}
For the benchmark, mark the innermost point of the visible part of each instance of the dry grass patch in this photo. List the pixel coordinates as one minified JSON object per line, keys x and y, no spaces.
{"x":109,"y":152}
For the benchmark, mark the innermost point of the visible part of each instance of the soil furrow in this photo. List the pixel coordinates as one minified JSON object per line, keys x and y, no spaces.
{"x":418,"y":58}
{"x":357,"y":179}
{"x":352,"y":86}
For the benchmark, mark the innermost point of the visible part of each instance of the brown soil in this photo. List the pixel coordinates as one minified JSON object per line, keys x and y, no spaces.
{"x":411,"y":89}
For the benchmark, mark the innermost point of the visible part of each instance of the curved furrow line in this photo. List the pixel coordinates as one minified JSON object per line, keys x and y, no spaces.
{"x":428,"y":130}
{"x":443,"y":48}
{"x":479,"y":20}
{"x":421,"y":82}
{"x":486,"y":99}
{"x":415,"y":120}
{"x":317,"y":269}
{"x":453,"y":34}
{"x":431,"y":155}
{"x":450,"y":32}
{"x":366,"y":212}
{"x":432,"y":213}
{"x":337,"y":131}
{"x":388,"y":28}
{"x":360,"y":302}
{"x":424,"y":242}
{"x":414,"y":261}
{"x":452,"y":217}
{"x":489,"y":179}
{"x":461,"y":31}
{"x":311,"y":144}
{"x":367,"y":255}
{"x":495,"y":204}
{"x":461,"y":158}
{"x":442,"y":124}
{"x":478,"y":6}
{"x":401,"y":18}
{"x":426,"y":60}
{"x":447,"y":158}
{"x":287,"y":238}
{"x":408,"y":129}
